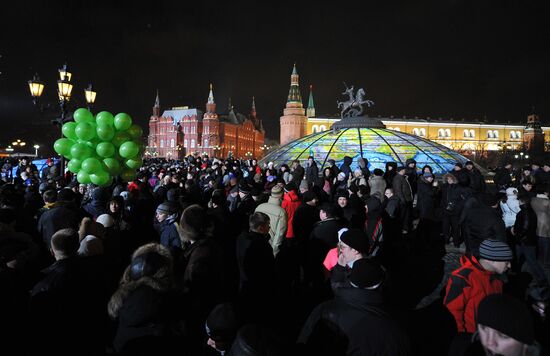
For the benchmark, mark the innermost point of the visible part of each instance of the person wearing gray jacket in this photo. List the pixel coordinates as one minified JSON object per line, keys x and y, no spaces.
{"x":277,"y":218}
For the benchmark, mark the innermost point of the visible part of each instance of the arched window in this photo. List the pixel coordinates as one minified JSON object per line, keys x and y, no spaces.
{"x":495,"y":133}
{"x":466,"y":134}
{"x":490,"y":134}
{"x":172,"y":143}
{"x":518,"y":134}
{"x":513,"y":135}
{"x":161,"y":143}
{"x":185,"y":143}
{"x":315,"y":128}
{"x":472,"y":133}
{"x":206,"y":143}
{"x":423,"y":132}
{"x":322,"y":128}
{"x":440,"y":133}
{"x":416,"y":132}
{"x":192,"y":143}
{"x":447,"y":132}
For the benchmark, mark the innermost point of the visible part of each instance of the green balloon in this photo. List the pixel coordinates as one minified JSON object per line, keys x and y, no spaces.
{"x":104,"y":118}
{"x":120,"y":138}
{"x":80,"y":151}
{"x":128,"y":149}
{"x":85,"y":131}
{"x":83,"y":115}
{"x":91,"y":165}
{"x":135,"y":131}
{"x":112,"y":166}
{"x":105,"y":132}
{"x":105,"y":149}
{"x":63,"y":146}
{"x":74,"y":165}
{"x":68,"y":130}
{"x":133,"y":163}
{"x":128,"y":175}
{"x":123,"y":121}
{"x":83,"y":177}
{"x":100,"y":178}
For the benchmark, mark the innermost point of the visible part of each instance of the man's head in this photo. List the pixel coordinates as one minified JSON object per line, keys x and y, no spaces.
{"x":527,"y":185}
{"x":354,"y":244}
{"x":458,"y":166}
{"x":495,"y":256}
{"x":327,"y":211}
{"x":367,"y":274}
{"x":428,"y":177}
{"x":244,"y":190}
{"x":310,"y":198}
{"x":388,"y":192}
{"x":64,"y":244}
{"x":295,"y":163}
{"x":504,"y":325}
{"x":342,"y":199}
{"x":469,"y":165}
{"x":222,"y":326}
{"x":259,"y":222}
{"x":165,"y":210}
{"x":401,"y":170}
{"x":49,"y":196}
{"x":546,"y":167}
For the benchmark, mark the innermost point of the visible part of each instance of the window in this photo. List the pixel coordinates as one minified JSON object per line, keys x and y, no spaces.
{"x":185,"y":143}
{"x":466,"y":134}
{"x":315,"y":128}
{"x":416,"y":132}
{"x":161,"y":143}
{"x":423,"y":132}
{"x":495,"y":133}
{"x":513,"y":135}
{"x":518,"y":134}
{"x":172,"y":143}
{"x":192,"y":143}
{"x":322,"y":128}
{"x":440,"y":133}
{"x":472,"y":133}
{"x":206,"y":143}
{"x":490,"y":134}
{"x":447,"y":132}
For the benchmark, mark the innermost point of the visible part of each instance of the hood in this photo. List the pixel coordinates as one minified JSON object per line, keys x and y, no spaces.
{"x":347,"y":160}
{"x":410,"y":160}
{"x":291,"y":196}
{"x":391,"y":164}
{"x":511,"y":192}
{"x":362,"y":162}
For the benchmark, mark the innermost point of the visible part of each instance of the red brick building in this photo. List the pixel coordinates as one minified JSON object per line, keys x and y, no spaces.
{"x":182,"y":131}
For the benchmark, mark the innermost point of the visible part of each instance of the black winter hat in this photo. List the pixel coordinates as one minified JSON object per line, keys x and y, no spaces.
{"x":458,"y":164}
{"x":356,"y":239}
{"x":366,"y":273}
{"x":378,"y":172}
{"x":66,"y":195}
{"x":146,"y":265}
{"x":308,"y":196}
{"x":507,"y":315}
{"x":244,"y":188}
{"x":223,"y":322}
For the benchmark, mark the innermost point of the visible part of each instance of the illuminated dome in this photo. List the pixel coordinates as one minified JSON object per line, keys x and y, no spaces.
{"x":366,"y":138}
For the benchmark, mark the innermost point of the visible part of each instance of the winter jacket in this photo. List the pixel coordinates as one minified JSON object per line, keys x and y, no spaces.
{"x":541,"y":206}
{"x":305,"y":218}
{"x":312,"y":172}
{"x":363,"y":165}
{"x":169,"y":236}
{"x":466,"y":288}
{"x":339,"y":326}
{"x":477,"y":181}
{"x":63,"y":215}
{"x":525,"y":226}
{"x":345,"y":167}
{"x":278,"y":222}
{"x":389,"y":174}
{"x":297,"y":175}
{"x":402,"y":189}
{"x":481,"y":222}
{"x":256,"y":262}
{"x":428,"y":199}
{"x":510,"y":208}
{"x":502,"y":178}
{"x":291,"y":202}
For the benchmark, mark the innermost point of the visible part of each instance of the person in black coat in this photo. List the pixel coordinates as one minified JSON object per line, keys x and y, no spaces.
{"x":63,"y":214}
{"x":390,"y":172}
{"x":356,"y":321}
{"x":312,"y":171}
{"x":428,"y":197}
{"x":461,"y":175}
{"x":524,"y":232}
{"x":167,"y":216}
{"x":477,"y":181}
{"x":453,"y":197}
{"x":255,"y":258}
{"x":412,"y":174}
{"x":98,"y":205}
{"x":345,"y":167}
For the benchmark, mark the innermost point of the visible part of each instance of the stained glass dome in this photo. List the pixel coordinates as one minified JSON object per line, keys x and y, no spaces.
{"x":377,"y":144}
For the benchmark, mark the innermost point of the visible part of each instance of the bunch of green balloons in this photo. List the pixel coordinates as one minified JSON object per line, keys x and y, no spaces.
{"x":101,"y":148}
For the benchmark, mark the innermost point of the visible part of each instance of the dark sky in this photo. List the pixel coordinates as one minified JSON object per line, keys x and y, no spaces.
{"x":454,"y":59}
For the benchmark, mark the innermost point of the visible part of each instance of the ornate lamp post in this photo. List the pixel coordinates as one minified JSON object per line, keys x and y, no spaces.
{"x":64,"y":92}
{"x":36,"y":147}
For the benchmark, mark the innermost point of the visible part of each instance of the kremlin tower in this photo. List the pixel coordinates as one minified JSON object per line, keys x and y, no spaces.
{"x":294,"y":121}
{"x":310,"y":112}
{"x":210,"y":126}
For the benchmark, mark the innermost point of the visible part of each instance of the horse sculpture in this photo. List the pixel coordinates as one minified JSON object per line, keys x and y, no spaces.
{"x":354,"y":105}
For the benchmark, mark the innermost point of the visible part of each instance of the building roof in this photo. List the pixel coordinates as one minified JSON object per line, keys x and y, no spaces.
{"x":178,"y":114}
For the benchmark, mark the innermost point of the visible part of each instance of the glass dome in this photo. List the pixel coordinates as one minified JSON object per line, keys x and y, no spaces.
{"x":377,"y":145}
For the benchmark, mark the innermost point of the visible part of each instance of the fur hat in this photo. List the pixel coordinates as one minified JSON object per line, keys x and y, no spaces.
{"x":195,"y":223}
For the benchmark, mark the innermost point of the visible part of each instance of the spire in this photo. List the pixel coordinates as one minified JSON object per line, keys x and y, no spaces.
{"x":156,"y":107}
{"x":210,"y":96}
{"x":157,"y":100}
{"x":230,"y":106}
{"x":253,"y":111}
{"x":310,"y":104}
{"x":294,"y":95}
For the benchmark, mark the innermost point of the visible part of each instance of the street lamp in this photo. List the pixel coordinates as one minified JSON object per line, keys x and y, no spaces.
{"x":36,"y":147}
{"x":18,"y":143}
{"x":64,"y":93}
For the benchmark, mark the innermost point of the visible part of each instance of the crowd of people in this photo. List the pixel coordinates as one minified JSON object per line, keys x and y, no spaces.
{"x":206,"y":256}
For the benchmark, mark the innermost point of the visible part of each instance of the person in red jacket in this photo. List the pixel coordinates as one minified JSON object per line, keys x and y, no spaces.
{"x":291,"y":202}
{"x":474,"y":280}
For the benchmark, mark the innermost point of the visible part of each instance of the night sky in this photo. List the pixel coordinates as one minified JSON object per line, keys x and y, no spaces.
{"x":450,"y":59}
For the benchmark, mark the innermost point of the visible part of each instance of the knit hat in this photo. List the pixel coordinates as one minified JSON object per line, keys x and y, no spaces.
{"x":277,"y":192}
{"x":366,"y":273}
{"x":378,"y":172}
{"x":223,"y":323}
{"x":356,"y":239}
{"x":167,"y":207}
{"x":469,"y":163}
{"x":289,"y":187}
{"x":308,"y":196}
{"x":458,"y":164}
{"x":106,"y":220}
{"x":494,"y":250}
{"x":146,"y":265}
{"x":304,"y":185}
{"x":507,"y":315}
{"x":400,"y":168}
{"x":341,"y":176}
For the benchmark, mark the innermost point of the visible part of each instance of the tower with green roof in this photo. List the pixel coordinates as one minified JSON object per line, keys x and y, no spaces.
{"x":310,"y":112}
{"x":294,"y":121}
